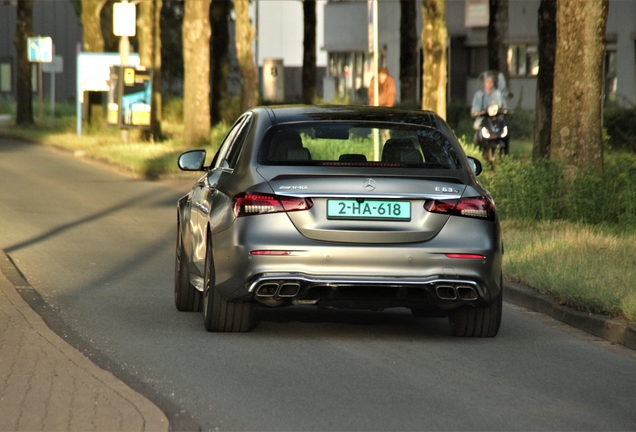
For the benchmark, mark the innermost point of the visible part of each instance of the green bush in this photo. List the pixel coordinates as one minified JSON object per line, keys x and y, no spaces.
{"x":539,"y":192}
{"x":173,"y":110}
{"x":524,"y":190}
{"x":521,"y":124}
{"x":7,"y":106}
{"x":455,"y":112}
{"x":231,"y":109}
{"x":620,"y":124}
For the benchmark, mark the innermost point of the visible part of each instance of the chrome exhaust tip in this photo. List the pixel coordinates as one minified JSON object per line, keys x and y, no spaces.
{"x":446,"y":292}
{"x":467,"y":293}
{"x":267,"y":290}
{"x":289,"y":290}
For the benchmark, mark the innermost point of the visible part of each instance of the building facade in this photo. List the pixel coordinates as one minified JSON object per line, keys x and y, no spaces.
{"x":56,"y":19}
{"x":349,"y":58}
{"x":343,"y":52}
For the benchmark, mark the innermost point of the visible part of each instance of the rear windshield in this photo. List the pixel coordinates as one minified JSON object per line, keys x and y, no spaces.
{"x":358,"y":144}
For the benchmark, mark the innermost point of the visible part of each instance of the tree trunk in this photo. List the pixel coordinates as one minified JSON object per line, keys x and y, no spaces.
{"x":498,"y":37}
{"x":578,"y":84}
{"x":245,"y":35}
{"x":172,"y":47}
{"x":196,"y":65}
{"x":309,"y":52}
{"x":408,"y":53}
{"x":545,"y":79}
{"x":149,"y":37}
{"x":434,"y":37}
{"x":24,"y":29}
{"x":111,"y":42}
{"x":219,"y":15}
{"x":91,"y":23}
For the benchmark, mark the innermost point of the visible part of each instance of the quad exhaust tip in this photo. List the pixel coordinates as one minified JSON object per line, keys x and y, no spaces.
{"x":267,"y":290}
{"x":446,"y":292}
{"x":462,"y":292}
{"x":278,"y":290}
{"x":466,"y":293}
{"x":292,"y":289}
{"x":289,"y":290}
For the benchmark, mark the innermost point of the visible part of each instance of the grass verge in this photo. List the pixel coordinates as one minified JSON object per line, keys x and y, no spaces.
{"x":137,"y":156}
{"x":588,"y":268}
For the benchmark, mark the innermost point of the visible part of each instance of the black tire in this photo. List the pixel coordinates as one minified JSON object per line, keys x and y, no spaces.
{"x":484,"y":321}
{"x":220,"y":315}
{"x":186,"y":297}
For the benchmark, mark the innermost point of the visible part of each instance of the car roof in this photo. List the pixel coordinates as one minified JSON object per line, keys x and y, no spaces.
{"x":310,"y":113}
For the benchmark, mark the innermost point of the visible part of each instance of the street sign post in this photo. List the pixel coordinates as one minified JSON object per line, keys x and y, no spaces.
{"x":124,"y":26}
{"x":56,"y":66}
{"x":40,"y":50}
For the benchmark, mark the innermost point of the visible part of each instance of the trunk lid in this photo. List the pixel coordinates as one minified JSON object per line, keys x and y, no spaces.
{"x":356,"y":207}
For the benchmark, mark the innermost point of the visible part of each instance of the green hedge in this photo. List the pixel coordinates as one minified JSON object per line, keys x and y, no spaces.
{"x":539,"y":191}
{"x":620,"y":124}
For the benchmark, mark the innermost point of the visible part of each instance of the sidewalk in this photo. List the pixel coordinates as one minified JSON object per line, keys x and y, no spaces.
{"x":46,"y":385}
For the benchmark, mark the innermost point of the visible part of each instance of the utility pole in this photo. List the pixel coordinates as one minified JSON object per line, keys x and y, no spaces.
{"x":124,"y":25}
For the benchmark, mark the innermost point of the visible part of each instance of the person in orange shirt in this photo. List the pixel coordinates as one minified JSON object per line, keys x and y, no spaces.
{"x":386,"y":89}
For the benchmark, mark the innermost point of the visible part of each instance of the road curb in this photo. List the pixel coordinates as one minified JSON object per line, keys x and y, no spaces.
{"x":615,"y":330}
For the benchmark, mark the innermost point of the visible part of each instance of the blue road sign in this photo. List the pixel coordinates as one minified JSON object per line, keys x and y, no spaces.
{"x":40,"y":49}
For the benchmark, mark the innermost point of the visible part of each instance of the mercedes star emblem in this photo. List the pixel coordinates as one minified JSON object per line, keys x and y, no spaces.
{"x":369,"y":185}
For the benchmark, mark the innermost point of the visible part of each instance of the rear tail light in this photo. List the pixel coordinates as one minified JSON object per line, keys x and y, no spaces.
{"x":271,"y":252}
{"x":473,"y":207}
{"x":464,"y":256}
{"x":247,"y":204}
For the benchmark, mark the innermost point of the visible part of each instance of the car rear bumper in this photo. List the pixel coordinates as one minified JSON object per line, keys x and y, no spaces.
{"x":368,"y":293}
{"x":358,"y":275}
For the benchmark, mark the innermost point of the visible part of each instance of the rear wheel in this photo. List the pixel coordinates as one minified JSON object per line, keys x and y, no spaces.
{"x":484,"y":321}
{"x":186,"y":297}
{"x":220,"y":315}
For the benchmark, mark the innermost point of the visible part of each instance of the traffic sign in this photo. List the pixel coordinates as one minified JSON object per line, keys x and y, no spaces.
{"x":40,"y":49}
{"x":124,"y":19}
{"x":56,"y":66}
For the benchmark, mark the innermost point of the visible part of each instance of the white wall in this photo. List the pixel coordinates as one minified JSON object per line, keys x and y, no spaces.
{"x":621,"y":21}
{"x":280,"y":31}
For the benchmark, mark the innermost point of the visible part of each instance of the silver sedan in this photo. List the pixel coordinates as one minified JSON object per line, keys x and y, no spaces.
{"x":345,"y":207}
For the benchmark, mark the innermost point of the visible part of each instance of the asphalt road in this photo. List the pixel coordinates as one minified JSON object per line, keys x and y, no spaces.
{"x":99,"y":248}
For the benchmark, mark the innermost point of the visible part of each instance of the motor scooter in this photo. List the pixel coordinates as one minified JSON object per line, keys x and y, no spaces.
{"x":492,"y":135}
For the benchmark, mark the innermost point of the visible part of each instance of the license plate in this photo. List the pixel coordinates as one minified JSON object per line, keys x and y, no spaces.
{"x":369,"y":209}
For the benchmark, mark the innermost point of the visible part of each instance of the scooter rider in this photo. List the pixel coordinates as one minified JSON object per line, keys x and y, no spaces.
{"x":489,"y":107}
{"x":488,"y":95}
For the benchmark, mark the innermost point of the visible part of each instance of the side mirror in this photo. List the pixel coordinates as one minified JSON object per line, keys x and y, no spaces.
{"x":475,"y":165}
{"x":192,"y":160}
